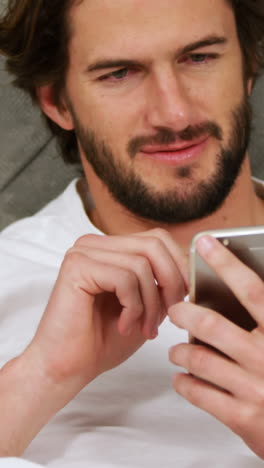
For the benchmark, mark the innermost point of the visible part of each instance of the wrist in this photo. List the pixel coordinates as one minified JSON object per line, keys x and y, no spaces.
{"x":52,"y":386}
{"x":29,"y":398}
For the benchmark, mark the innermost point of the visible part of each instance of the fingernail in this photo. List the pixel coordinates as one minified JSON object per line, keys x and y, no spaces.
{"x":204,"y":244}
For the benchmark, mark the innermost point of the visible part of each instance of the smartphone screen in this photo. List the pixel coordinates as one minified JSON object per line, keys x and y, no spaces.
{"x":208,"y":290}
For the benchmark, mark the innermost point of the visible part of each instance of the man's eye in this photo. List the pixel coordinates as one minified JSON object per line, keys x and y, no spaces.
{"x":197,"y":58}
{"x":117,"y":75}
{"x":200,"y":58}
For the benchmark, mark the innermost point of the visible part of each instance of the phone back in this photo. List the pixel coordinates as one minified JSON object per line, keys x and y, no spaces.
{"x":208,"y":290}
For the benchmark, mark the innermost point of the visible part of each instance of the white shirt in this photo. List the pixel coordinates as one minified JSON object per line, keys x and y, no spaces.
{"x":129,"y":417}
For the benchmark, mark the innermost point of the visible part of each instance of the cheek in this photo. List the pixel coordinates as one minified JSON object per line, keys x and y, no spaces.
{"x":112,"y":121}
{"x":225,"y":97}
{"x":232,"y":85}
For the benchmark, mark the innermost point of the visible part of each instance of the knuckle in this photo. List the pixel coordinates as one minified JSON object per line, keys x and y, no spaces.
{"x":155,"y":243}
{"x":255,"y":291}
{"x":258,"y":395}
{"x":141,"y":264}
{"x":159,"y":232}
{"x":241,"y":420}
{"x":198,"y":360}
{"x":209,"y":324}
{"x":85,"y":239}
{"x":129,"y":279}
{"x":256,"y":358}
{"x":72,"y":264}
{"x":72,"y":257}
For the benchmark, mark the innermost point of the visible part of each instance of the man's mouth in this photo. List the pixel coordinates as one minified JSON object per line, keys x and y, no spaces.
{"x":176,"y":153}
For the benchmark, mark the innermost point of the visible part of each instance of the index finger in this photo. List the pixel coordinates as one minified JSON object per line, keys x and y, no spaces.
{"x":181,"y":260}
{"x":247,"y":286}
{"x":167,"y":261}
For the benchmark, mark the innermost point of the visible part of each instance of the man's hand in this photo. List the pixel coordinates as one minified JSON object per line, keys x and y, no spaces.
{"x":232,"y":389}
{"x":111,"y":295}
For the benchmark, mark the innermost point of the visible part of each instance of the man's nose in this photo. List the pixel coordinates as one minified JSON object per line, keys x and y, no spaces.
{"x":170,"y":103}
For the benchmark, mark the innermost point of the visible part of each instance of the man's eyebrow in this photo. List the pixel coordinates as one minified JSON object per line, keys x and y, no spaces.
{"x":205,"y":42}
{"x":108,"y":63}
{"x":114,"y":63}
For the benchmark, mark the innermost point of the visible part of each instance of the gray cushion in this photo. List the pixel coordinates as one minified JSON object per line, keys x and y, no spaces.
{"x":32,"y":172}
{"x":257,"y":139}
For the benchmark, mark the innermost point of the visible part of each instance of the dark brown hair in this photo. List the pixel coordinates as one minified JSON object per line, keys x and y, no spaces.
{"x":35,"y":34}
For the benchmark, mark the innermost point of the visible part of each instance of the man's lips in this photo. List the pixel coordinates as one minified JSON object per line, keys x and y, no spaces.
{"x":180,"y":146}
{"x":176,"y":153}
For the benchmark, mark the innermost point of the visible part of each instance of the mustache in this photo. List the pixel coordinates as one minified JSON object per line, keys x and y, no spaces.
{"x":166,"y":136}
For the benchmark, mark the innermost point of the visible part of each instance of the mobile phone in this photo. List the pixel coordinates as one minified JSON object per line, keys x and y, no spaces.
{"x":208,"y":290}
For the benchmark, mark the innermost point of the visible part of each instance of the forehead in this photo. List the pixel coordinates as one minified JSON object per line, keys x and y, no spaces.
{"x":140,"y":26}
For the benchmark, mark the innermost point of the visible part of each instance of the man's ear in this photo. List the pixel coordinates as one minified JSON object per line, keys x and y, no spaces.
{"x":250,"y":85}
{"x":59,"y":114}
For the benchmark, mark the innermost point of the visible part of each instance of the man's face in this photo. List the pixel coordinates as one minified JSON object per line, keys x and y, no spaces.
{"x":159,"y":104}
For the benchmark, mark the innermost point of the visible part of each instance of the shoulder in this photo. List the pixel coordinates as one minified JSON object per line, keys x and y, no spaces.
{"x":45,"y":237}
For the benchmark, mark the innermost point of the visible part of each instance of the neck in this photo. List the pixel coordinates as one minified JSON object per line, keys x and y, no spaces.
{"x":241,"y":208}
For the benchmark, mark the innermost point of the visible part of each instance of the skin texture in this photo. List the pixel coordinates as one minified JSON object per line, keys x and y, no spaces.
{"x":113,"y":291}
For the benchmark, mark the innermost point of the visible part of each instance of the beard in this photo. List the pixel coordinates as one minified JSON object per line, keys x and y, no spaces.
{"x":199,"y":199}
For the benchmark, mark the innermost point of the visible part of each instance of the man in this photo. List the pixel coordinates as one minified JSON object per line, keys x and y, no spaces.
{"x":155,"y":96}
